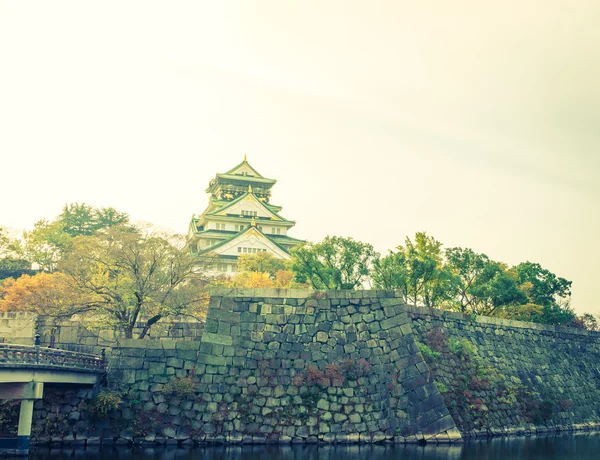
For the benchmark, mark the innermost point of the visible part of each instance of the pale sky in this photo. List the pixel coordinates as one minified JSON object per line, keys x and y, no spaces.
{"x":475,"y":121}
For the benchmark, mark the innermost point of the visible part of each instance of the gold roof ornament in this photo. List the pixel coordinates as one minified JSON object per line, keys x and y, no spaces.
{"x":249,"y":188}
{"x":245,"y":159}
{"x":253,"y":222}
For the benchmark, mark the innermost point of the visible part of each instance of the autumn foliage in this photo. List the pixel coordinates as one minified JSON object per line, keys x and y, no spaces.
{"x":50,"y":294}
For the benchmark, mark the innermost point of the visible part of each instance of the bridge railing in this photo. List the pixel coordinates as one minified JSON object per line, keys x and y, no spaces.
{"x":34,"y":355}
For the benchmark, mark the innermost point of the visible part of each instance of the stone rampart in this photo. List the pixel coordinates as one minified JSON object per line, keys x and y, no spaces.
{"x":506,"y":377}
{"x":338,"y":366}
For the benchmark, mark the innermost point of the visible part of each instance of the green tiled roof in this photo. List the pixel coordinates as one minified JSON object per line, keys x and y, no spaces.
{"x":235,"y":235}
{"x":238,"y":199}
{"x":258,"y":175}
{"x":284,"y":239}
{"x":260,"y":180}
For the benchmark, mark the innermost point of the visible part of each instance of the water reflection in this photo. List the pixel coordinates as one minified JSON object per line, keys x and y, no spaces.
{"x":580,"y":447}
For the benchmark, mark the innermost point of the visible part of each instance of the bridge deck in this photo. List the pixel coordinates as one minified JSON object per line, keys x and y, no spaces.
{"x":14,"y":356}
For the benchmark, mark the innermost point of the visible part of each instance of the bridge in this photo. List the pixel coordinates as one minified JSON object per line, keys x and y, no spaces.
{"x":24,"y":369}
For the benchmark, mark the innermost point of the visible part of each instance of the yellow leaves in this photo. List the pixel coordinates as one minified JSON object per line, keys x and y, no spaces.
{"x":284,"y":278}
{"x":45,"y":294}
{"x":252,"y":280}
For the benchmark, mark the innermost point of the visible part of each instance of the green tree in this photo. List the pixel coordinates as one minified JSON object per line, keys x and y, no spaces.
{"x":46,"y":244}
{"x":12,"y":265}
{"x":495,"y":290}
{"x":135,"y":274}
{"x":5,"y":243}
{"x":391,"y":272}
{"x":334,"y":263}
{"x":482,"y":285}
{"x":81,"y":219}
{"x":541,"y":285}
{"x":551,"y":292}
{"x":261,"y":262}
{"x":417,"y":269}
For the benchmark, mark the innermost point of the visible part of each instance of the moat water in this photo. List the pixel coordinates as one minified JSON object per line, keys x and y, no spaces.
{"x":576,"y":447}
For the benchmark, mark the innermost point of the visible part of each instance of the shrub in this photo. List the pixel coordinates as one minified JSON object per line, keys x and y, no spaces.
{"x":355,"y":369}
{"x":9,"y":417}
{"x":462,"y":347}
{"x":427,"y":352}
{"x":437,"y":340}
{"x":334,"y":373}
{"x":564,"y":404}
{"x":103,"y":403}
{"x":180,"y":387}
{"x":314,"y":376}
{"x":145,"y":423}
{"x":441,"y":387}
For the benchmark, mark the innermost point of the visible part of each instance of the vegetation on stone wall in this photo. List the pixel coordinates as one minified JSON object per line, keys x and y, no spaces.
{"x":181,"y":387}
{"x":337,"y":367}
{"x":104,"y":403}
{"x":476,"y":392}
{"x":9,"y":417}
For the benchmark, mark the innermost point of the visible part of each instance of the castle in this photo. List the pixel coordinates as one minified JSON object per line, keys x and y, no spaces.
{"x":240,"y":220}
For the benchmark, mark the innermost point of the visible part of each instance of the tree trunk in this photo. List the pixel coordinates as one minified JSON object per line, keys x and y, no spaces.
{"x":148,"y":325}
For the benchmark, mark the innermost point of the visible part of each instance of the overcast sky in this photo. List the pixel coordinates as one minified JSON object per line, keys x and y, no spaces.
{"x":476,"y":121}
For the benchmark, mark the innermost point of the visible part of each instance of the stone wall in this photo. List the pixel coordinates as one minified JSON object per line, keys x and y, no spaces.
{"x":338,"y":366}
{"x":72,"y":334}
{"x":75,"y":336}
{"x":16,"y":327}
{"x":514,"y":377}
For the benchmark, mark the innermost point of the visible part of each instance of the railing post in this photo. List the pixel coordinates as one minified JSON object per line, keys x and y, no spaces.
{"x":37,"y":348}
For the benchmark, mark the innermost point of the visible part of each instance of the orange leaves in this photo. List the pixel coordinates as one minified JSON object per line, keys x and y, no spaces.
{"x":44,"y":293}
{"x":255,"y":279}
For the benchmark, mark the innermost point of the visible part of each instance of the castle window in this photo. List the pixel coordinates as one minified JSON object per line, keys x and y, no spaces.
{"x":276,"y":231}
{"x":220,"y":226}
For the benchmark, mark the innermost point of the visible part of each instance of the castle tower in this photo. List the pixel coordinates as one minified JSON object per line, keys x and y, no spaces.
{"x":240,"y":219}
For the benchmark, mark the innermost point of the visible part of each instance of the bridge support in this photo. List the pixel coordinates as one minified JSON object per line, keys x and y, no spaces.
{"x":24,"y":430}
{"x":20,"y":445}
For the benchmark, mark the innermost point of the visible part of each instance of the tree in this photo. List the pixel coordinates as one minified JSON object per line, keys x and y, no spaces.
{"x":50,"y":294}
{"x":541,"y":285}
{"x":256,"y":279}
{"x":78,"y":219}
{"x":46,"y":244}
{"x":81,"y":219}
{"x":495,"y":289}
{"x":544,"y":288}
{"x":249,"y":279}
{"x":285,"y":279}
{"x":587,"y":321}
{"x":5,"y":243}
{"x":417,"y":269}
{"x":482,"y":285}
{"x":260,"y":262}
{"x":390,"y":272}
{"x":334,"y":263}
{"x":133,"y":274}
{"x":12,"y":265}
